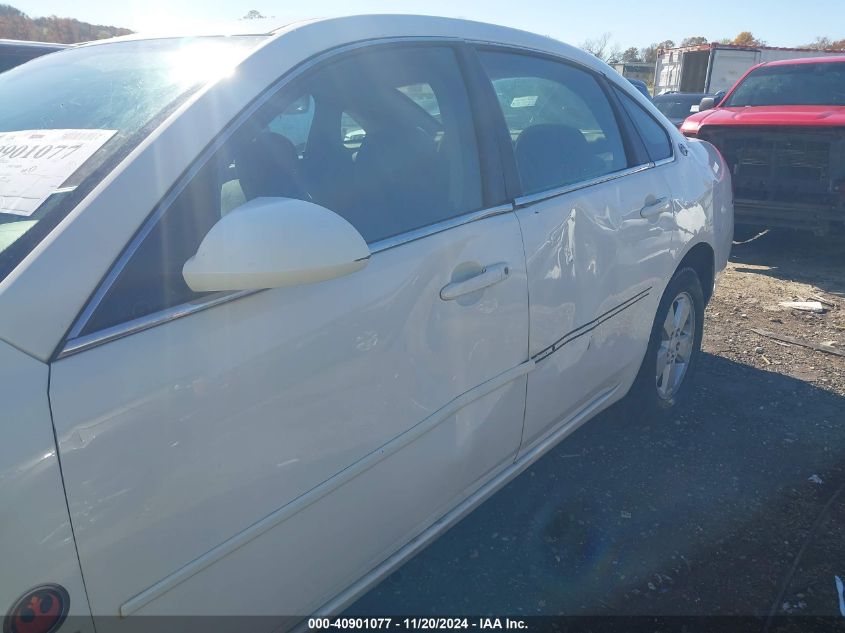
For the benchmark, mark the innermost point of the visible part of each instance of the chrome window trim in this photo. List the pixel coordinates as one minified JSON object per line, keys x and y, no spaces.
{"x":533,"y":198}
{"x":82,"y":343}
{"x":431,"y":229}
{"x":78,"y":344}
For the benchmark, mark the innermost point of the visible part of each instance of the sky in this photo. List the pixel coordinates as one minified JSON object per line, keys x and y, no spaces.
{"x":630,"y":22}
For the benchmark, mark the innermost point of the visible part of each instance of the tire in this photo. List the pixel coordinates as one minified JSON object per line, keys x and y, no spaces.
{"x":660,"y":394}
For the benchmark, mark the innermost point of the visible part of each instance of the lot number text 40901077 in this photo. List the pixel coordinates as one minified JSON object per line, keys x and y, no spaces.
{"x":413,"y":624}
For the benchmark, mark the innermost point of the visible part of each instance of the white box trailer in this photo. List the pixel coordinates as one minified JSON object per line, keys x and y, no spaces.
{"x":713,"y":67}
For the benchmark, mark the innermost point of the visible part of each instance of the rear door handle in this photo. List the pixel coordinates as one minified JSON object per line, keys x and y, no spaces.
{"x":654,"y":206}
{"x":489,"y":276}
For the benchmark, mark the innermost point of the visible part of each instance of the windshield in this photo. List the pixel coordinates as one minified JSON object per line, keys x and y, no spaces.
{"x":796,"y":84}
{"x":678,"y":107}
{"x":76,"y":113}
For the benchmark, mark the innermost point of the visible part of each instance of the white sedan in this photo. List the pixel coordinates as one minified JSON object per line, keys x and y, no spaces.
{"x":251,"y":362}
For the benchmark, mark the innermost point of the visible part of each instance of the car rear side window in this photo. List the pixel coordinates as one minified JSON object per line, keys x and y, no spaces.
{"x":654,"y":136}
{"x":385,"y":138}
{"x":351,"y":132}
{"x":560,"y":121}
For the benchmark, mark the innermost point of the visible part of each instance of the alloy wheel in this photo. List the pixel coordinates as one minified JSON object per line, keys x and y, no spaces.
{"x":677,"y":337}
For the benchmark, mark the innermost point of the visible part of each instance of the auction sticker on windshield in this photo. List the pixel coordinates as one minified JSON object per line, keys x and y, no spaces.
{"x":35,"y":163}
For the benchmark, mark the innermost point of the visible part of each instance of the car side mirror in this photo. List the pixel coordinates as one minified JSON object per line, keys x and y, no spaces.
{"x":719,"y":97}
{"x":707,"y":103}
{"x":275,"y":242}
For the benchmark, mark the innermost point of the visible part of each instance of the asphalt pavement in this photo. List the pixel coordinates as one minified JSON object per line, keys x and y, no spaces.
{"x":732,"y":507}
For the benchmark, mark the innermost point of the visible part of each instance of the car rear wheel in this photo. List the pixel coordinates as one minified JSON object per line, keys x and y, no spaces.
{"x":674,"y":346}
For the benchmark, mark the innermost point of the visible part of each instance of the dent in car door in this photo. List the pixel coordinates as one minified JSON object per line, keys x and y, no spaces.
{"x":595,"y":268}
{"x":260,"y":455}
{"x":592,"y":254}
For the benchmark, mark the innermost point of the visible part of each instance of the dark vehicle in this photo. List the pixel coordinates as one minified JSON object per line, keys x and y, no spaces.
{"x":641,"y":86}
{"x":15,"y":52}
{"x":781,"y":129}
{"x":677,"y":106}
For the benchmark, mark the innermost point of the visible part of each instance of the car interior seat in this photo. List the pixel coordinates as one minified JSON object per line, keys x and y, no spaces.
{"x":397,"y":173}
{"x":552,"y":155}
{"x":268,"y":166}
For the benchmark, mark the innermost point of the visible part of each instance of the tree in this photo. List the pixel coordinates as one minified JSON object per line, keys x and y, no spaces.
{"x":746,"y":38}
{"x":253,"y":15}
{"x":826,"y":44}
{"x":649,"y":53}
{"x":631,"y":55}
{"x":819,"y":44}
{"x":695,"y":40}
{"x":15,"y":24}
{"x":7,"y":11}
{"x":602,"y":48}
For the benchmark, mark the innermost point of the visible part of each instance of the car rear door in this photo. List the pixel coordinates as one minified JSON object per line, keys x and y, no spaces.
{"x":256,"y":453}
{"x":597,"y":223}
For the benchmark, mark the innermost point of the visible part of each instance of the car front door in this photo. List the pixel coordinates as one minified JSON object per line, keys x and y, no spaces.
{"x":597,"y":224}
{"x":258,"y":452}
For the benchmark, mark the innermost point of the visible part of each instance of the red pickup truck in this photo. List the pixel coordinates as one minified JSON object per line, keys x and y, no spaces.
{"x":781,"y":129}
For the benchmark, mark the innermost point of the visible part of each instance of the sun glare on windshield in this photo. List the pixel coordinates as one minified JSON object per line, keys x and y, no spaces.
{"x":201,"y":63}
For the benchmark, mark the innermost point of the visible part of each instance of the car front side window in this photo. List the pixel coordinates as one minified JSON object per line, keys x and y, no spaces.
{"x":385,"y":138}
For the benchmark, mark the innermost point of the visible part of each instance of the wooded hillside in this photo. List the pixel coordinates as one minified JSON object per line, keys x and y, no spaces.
{"x":17,"y":25}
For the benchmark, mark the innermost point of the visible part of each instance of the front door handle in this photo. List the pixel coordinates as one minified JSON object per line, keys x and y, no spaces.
{"x":489,"y":276}
{"x":655,"y":206}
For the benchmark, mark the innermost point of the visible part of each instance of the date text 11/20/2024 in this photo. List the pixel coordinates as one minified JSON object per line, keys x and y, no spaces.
{"x":408,"y":624}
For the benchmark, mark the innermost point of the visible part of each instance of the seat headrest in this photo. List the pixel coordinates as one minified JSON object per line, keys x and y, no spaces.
{"x":550,"y":155}
{"x":268,"y":166}
{"x":395,"y":148}
{"x":398,"y":176}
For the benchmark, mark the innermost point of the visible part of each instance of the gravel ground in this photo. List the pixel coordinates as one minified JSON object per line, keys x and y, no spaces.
{"x":774,"y":268}
{"x":731,"y":508}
